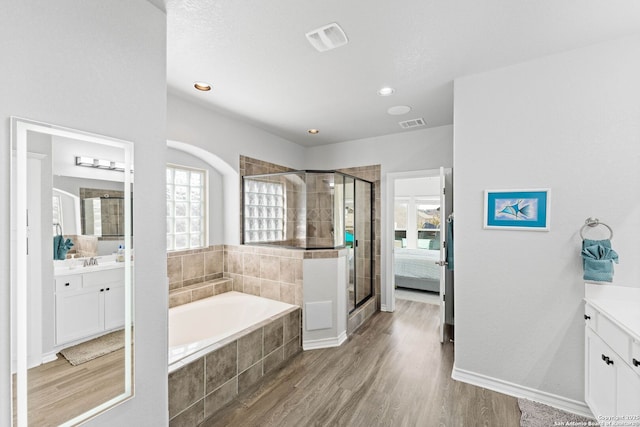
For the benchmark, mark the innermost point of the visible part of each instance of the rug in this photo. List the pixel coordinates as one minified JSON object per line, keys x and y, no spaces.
{"x":536,"y":414}
{"x":94,"y":348}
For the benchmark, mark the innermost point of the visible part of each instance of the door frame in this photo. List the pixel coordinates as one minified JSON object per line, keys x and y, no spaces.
{"x":387,"y":291}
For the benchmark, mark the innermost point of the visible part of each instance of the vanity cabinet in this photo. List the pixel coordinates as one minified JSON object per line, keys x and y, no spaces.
{"x":88,"y":304}
{"x":612,"y":367}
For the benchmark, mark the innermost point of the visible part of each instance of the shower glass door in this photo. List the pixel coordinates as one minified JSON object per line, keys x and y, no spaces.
{"x":350,"y":240}
{"x":363,"y":241}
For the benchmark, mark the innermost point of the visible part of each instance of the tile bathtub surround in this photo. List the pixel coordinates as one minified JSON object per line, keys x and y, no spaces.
{"x":199,"y":389}
{"x":269,"y":272}
{"x":83,"y":246}
{"x":186,"y":268}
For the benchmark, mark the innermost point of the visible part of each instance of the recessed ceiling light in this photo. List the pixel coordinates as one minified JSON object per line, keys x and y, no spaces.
{"x":386,"y":91}
{"x":202,"y":86}
{"x":399,"y":110}
{"x":313,"y":131}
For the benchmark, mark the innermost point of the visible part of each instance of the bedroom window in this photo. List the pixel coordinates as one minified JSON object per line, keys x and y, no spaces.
{"x":428,"y":224}
{"x":187,"y":214}
{"x":401,"y":211}
{"x":417,"y":223}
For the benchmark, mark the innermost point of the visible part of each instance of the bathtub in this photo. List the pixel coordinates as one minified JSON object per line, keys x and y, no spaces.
{"x":200,"y":327}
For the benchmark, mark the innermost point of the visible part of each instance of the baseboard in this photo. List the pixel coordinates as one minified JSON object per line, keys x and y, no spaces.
{"x":325,"y":342}
{"x":519,"y":391}
{"x":49,"y":357}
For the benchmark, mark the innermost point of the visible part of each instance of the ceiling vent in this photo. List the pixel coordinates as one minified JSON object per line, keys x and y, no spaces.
{"x":413,"y":123}
{"x":328,"y":37}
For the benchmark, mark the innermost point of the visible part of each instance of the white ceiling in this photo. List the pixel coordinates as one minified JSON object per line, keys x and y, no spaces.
{"x":264,"y":71}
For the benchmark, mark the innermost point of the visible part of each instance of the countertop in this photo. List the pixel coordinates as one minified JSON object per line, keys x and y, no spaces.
{"x":71,"y":267}
{"x":620,"y":304}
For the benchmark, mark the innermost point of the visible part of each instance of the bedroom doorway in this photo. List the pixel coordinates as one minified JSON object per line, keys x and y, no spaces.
{"x":420,"y":214}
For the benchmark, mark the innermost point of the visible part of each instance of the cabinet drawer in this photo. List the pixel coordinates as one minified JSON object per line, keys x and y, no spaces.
{"x":635,"y":356}
{"x":613,"y":336}
{"x":68,"y":283}
{"x":105,"y":277}
{"x":590,"y":317}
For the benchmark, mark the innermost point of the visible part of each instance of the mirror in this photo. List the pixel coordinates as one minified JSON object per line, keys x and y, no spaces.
{"x":71,"y":307}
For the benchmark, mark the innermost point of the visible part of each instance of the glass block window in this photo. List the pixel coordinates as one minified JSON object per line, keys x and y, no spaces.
{"x":186,"y":208}
{"x":263,"y":211}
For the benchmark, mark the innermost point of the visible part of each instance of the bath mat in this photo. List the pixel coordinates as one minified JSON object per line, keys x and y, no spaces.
{"x":94,"y":348}
{"x":536,"y":414}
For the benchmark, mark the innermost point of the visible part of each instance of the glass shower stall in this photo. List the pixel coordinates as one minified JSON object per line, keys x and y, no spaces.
{"x":313,"y":210}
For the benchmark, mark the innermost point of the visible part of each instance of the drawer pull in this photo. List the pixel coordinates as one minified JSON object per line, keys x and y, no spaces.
{"x":636,"y":363}
{"x":107,"y":288}
{"x":67,"y":284}
{"x":102,"y":290}
{"x":607,"y":360}
{"x":587,"y":317}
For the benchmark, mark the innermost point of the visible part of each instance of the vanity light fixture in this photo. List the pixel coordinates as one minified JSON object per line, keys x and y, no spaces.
{"x":90,"y":162}
{"x":386,"y":91}
{"x":202,"y":86}
{"x":313,"y":131}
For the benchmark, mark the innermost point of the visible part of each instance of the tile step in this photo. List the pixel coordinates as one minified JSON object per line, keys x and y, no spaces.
{"x":199,"y":291}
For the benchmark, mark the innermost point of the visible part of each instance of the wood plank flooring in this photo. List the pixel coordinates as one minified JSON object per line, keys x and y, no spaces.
{"x":58,"y":391}
{"x":391,"y":372}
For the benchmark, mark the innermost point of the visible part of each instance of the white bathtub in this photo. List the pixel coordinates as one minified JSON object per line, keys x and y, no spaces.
{"x":204,"y":325}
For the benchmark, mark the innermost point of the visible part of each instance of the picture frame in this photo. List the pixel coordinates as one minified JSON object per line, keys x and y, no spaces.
{"x":526,"y":210}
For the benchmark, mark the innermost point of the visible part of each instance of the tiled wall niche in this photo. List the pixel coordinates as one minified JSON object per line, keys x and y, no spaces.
{"x":199,"y":389}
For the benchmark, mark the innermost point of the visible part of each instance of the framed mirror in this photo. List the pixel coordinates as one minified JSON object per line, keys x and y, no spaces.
{"x":71,"y":306}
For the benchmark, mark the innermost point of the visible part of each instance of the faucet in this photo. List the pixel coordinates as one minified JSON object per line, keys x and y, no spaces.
{"x":89,"y":262}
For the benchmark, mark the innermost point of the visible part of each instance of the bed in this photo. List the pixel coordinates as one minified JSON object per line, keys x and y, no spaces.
{"x":417,"y":269}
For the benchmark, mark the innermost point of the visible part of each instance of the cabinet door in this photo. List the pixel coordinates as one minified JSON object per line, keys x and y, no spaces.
{"x":600,"y":376}
{"x":78,"y":314}
{"x":628,"y":392}
{"x":114,"y":307}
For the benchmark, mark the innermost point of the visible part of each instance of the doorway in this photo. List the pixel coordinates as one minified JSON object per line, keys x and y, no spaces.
{"x":419,"y":214}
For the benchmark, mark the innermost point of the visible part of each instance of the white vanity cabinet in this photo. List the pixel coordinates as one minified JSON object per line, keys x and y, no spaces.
{"x":88,"y":304}
{"x":612,"y":363}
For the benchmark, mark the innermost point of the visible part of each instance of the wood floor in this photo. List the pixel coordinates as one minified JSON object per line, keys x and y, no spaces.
{"x":58,"y":391}
{"x":392,"y":372}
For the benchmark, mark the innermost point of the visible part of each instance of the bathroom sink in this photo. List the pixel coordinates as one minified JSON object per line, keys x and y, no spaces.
{"x":76,"y":265}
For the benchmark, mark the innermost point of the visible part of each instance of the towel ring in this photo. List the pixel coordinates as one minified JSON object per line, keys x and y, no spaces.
{"x":594,"y":222}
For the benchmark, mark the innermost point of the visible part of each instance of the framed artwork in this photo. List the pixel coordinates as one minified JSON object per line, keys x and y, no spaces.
{"x":517,"y":209}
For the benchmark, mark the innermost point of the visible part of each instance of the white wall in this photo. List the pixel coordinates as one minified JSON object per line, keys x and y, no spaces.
{"x":225,"y":137}
{"x":80,"y":64}
{"x":569,"y":122}
{"x":416,"y":187}
{"x":192,"y":127}
{"x":407,"y":151}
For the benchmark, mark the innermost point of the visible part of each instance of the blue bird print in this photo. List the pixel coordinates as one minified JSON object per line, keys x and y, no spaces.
{"x":516,"y":210}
